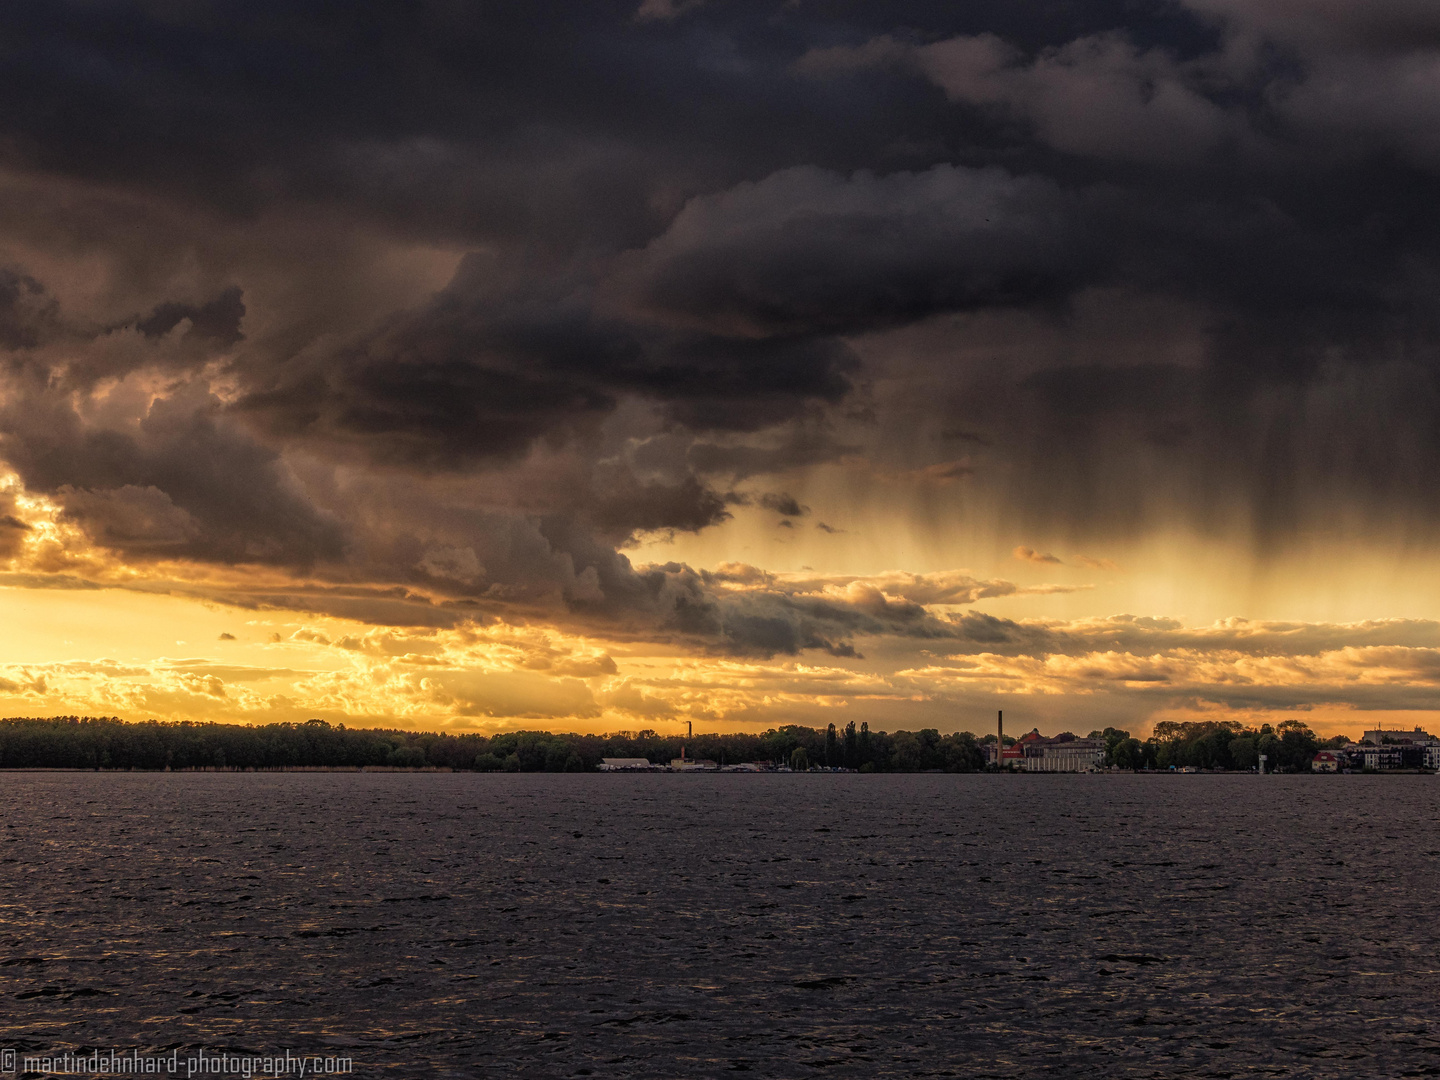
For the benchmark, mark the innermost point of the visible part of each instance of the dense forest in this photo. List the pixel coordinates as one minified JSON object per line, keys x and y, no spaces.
{"x":75,"y":742}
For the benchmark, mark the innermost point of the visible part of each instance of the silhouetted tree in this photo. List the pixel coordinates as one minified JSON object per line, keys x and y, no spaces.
{"x":907,"y":753}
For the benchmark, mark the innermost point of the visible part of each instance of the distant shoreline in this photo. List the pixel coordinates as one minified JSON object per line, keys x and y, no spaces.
{"x":434,"y":769}
{"x":109,"y":744}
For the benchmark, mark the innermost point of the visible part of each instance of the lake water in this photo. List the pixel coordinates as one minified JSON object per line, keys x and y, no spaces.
{"x":475,"y":925}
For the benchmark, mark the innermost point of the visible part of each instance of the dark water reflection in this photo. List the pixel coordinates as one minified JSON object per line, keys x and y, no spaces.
{"x":665,"y":926}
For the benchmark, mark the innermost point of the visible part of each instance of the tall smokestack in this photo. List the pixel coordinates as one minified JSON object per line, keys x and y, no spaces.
{"x":999,"y":737}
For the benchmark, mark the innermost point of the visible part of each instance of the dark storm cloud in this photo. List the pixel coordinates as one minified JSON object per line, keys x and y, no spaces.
{"x":1144,"y":636}
{"x":13,"y":529}
{"x":181,"y":484}
{"x":525,"y":122}
{"x":511,"y":353}
{"x":218,"y":320}
{"x":626,"y":505}
{"x":811,"y":251}
{"x":27,"y":311}
{"x":740,"y":610}
{"x":743,"y":610}
{"x":781,"y":620}
{"x":783,"y":503}
{"x":797,"y":447}
{"x":678,"y":228}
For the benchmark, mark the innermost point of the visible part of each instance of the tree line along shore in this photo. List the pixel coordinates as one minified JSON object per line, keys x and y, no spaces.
{"x":85,"y":742}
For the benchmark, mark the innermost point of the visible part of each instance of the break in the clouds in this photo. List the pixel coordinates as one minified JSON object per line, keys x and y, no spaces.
{"x":442,"y":312}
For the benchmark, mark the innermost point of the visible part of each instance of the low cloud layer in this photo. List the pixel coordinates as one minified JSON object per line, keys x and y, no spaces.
{"x":1081,"y":674}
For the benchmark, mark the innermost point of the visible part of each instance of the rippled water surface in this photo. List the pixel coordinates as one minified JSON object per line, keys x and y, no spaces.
{"x":682,"y":925}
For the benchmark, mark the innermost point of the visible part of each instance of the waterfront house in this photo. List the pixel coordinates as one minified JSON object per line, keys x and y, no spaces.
{"x":1326,"y":761}
{"x":1383,"y":757}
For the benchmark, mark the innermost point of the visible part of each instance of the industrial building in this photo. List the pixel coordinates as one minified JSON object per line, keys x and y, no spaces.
{"x":1033,"y":752}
